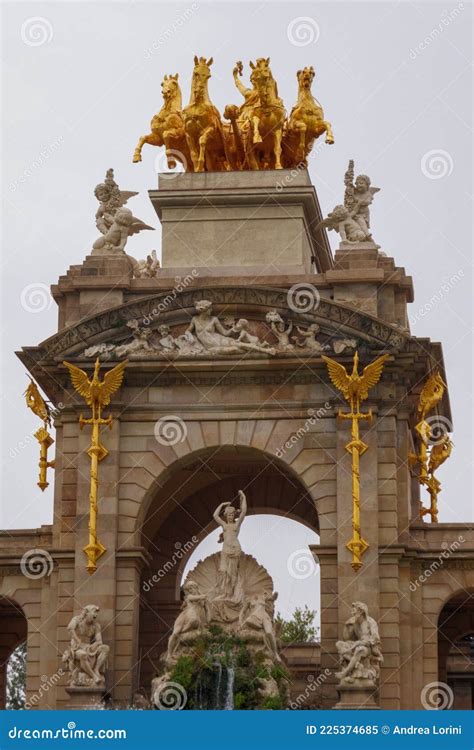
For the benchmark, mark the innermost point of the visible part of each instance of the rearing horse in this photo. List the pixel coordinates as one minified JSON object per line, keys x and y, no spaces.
{"x":305,"y":124}
{"x":202,"y":123}
{"x":267,"y":119}
{"x":167,"y":127}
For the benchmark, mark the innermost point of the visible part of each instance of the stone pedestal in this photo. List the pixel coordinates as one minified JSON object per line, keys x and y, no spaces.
{"x":243,"y":222}
{"x":357,"y":697}
{"x":86,"y":698}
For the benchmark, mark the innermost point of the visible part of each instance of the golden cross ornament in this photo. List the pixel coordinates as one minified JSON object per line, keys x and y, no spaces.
{"x":38,"y":406}
{"x":355,"y":388}
{"x":97,"y":394}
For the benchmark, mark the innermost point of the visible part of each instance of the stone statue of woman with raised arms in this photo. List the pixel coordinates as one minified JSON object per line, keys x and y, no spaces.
{"x":229,"y":585}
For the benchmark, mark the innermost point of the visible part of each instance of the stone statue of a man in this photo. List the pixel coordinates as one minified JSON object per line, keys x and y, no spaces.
{"x":87,"y":655}
{"x":359,"y":650}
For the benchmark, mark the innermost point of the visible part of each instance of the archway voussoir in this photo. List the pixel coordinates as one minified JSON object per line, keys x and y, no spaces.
{"x":227,"y":431}
{"x":263,"y":430}
{"x":194,"y":435}
{"x":244,"y":431}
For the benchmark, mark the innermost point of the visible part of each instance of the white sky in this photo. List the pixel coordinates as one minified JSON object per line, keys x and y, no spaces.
{"x":92,"y":88}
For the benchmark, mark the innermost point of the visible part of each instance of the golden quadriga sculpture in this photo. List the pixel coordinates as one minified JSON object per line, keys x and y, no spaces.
{"x":433,"y":443}
{"x":258,"y":133}
{"x":97,"y":394}
{"x":355,"y":388}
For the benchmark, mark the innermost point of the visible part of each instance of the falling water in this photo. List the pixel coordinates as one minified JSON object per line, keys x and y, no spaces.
{"x":218,"y":686}
{"x":218,"y":693}
{"x":229,"y":698}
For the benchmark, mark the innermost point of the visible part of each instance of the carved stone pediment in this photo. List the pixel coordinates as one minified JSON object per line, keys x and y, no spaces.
{"x":256,"y":321}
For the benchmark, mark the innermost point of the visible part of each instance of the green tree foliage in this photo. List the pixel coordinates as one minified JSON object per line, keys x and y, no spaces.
{"x":300,"y":628}
{"x":16,"y":678}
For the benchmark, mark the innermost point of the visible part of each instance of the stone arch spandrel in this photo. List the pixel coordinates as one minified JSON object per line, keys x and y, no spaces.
{"x":143,"y":474}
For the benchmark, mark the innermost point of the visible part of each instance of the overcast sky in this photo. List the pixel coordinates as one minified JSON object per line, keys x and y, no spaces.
{"x":80,"y":84}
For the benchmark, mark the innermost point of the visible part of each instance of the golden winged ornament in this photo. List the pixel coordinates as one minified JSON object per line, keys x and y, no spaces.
{"x":97,"y":394}
{"x":431,"y":394}
{"x":38,"y":406}
{"x":434,"y":445}
{"x":355,"y":388}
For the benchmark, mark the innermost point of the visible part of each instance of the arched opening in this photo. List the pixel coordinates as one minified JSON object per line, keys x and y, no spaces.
{"x":13,"y":632}
{"x":180,"y":517}
{"x":456,"y":648}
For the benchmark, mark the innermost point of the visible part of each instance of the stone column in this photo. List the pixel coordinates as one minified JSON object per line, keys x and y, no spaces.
{"x":100,"y":587}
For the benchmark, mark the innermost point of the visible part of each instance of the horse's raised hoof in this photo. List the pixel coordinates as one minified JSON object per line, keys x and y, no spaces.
{"x":136,"y":157}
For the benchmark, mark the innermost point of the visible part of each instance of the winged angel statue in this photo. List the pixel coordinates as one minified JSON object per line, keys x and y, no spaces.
{"x":115,"y":222}
{"x":352,"y":220}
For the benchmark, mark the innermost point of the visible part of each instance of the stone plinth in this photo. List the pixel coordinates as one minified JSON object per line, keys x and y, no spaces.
{"x":366,"y":278}
{"x":243,"y":222}
{"x":356,"y":697}
{"x":86,"y":698}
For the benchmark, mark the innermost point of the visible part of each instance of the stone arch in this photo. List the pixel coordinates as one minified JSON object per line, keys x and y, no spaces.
{"x":456,"y":620}
{"x":170,"y":534}
{"x":13,"y":632}
{"x":310,"y":459}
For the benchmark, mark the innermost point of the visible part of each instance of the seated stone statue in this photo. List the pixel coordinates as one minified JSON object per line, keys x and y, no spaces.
{"x":359,"y":651}
{"x":86,"y":657}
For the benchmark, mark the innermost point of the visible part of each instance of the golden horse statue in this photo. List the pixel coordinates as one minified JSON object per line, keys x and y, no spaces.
{"x":167,"y":128}
{"x":202,"y":123}
{"x":305,"y":124}
{"x":264,"y":112}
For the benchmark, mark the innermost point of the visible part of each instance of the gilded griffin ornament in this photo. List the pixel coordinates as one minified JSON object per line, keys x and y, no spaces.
{"x":97,"y":394}
{"x":355,"y":388}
